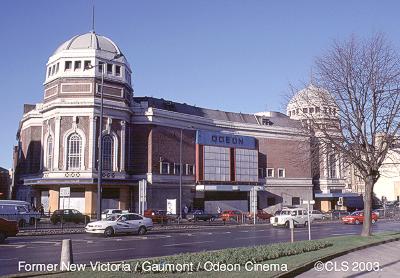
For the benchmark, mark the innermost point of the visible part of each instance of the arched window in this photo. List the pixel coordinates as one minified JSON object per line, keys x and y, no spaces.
{"x":74,"y":152}
{"x":49,"y":161}
{"x":108,"y":146}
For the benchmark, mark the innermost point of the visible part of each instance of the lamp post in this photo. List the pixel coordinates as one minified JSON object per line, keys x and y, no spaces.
{"x":180,"y":177}
{"x":100,"y":146}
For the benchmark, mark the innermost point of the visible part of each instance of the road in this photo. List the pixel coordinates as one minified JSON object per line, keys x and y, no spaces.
{"x":86,"y":247}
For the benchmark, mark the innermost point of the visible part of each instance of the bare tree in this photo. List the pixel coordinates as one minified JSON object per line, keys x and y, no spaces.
{"x":355,"y":104}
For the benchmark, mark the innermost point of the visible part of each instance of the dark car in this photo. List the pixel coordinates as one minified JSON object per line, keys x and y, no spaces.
{"x":200,"y":215}
{"x":68,"y":215}
{"x":7,"y":228}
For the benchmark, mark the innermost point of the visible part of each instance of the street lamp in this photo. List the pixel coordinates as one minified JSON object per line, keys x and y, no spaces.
{"x":100,"y":159}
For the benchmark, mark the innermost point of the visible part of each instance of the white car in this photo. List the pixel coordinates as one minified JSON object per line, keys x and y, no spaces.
{"x":299,"y":215}
{"x":316,"y":215}
{"x":119,"y":224}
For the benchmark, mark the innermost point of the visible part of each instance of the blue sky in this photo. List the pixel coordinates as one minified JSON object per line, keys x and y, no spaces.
{"x":229,"y":55}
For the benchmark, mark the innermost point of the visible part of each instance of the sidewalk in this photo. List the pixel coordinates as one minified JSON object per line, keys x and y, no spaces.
{"x":385,"y":257}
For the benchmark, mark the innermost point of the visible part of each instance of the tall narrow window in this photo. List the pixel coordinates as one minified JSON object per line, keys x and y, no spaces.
{"x":107,"y":153}
{"x":332,"y":166}
{"x":74,"y":152}
{"x":49,"y":163}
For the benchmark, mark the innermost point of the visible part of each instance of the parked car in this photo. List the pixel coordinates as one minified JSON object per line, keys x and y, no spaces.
{"x":231,"y":215}
{"x":107,"y":212}
{"x":16,"y":212}
{"x":200,"y":215}
{"x":299,"y":215}
{"x":335,"y":214}
{"x":68,"y":215}
{"x":8,"y":228}
{"x":158,"y":216}
{"x":316,"y":215}
{"x":260,"y":215}
{"x":357,"y":217}
{"x":124,"y":223}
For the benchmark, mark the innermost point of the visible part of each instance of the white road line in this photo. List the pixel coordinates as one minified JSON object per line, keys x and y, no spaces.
{"x":187,"y":243}
{"x":344,"y":234}
{"x":9,"y":259}
{"x":106,"y":250}
{"x":13,"y":245}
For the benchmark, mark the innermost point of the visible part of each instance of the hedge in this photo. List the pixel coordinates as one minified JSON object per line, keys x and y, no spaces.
{"x":239,"y":255}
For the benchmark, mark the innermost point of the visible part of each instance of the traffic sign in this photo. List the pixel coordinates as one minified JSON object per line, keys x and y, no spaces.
{"x":65,"y":191}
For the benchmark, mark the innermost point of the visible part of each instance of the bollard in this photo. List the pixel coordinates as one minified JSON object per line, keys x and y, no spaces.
{"x":66,"y":255}
{"x":291,"y":226}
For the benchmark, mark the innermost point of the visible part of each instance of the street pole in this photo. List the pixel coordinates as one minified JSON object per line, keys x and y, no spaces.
{"x":100,"y":158}
{"x":180,"y":177}
{"x":308,"y":219}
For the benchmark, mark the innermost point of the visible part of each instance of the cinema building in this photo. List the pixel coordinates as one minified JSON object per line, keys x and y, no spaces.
{"x":224,"y":154}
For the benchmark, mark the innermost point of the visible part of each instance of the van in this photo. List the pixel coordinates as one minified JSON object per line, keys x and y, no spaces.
{"x":16,"y":212}
{"x":27,"y":205}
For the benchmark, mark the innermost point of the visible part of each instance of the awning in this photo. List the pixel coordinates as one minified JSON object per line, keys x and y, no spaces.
{"x":336,"y":195}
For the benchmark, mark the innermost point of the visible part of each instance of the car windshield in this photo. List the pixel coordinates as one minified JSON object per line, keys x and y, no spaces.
{"x":285,"y":212}
{"x":113,"y":217}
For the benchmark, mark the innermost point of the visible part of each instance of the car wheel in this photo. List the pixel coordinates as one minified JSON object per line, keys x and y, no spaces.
{"x":31,"y":221}
{"x":287,"y":224}
{"x":142,"y":230}
{"x":306,"y":224}
{"x":373,"y":221}
{"x":2,"y":237}
{"x":21,"y":223}
{"x":357,"y":222}
{"x":109,"y":232}
{"x":212,"y":219}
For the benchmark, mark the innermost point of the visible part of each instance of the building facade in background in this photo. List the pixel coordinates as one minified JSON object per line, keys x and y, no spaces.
{"x":224,"y":154}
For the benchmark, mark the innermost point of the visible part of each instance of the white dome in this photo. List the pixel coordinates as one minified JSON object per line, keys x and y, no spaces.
{"x":89,"y":40}
{"x":311,"y":99}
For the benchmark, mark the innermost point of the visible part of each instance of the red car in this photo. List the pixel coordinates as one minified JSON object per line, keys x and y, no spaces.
{"x":7,"y":228}
{"x":231,"y":214}
{"x":262,"y":215}
{"x":158,"y":216}
{"x":357,"y":217}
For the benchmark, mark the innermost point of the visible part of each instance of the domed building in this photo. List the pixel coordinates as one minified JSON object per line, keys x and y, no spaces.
{"x":183,"y":155}
{"x":59,"y":137}
{"x":316,"y":105}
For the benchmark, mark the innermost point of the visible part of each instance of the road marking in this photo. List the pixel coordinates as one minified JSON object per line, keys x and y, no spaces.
{"x":106,"y":250}
{"x":344,"y":234}
{"x":187,"y":243}
{"x":10,"y":259}
{"x":254,"y":237}
{"x":13,"y":245}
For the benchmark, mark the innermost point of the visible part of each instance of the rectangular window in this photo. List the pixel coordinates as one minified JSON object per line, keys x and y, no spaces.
{"x":49,"y":72}
{"x":164,"y":168}
{"x":261,"y":173}
{"x":332,"y":166}
{"x":246,"y":168}
{"x":68,"y":65}
{"x":118,"y":70}
{"x":177,"y":169}
{"x":295,"y":201}
{"x":311,"y":109}
{"x":109,"y":68}
{"x":305,"y":110}
{"x":100,"y":66}
{"x":189,"y":169}
{"x":57,"y":67}
{"x":317,"y":110}
{"x":87,"y":64}
{"x":270,"y":172}
{"x":281,"y":173}
{"x":54,"y":70}
{"x":78,"y":65}
{"x":216,"y":163}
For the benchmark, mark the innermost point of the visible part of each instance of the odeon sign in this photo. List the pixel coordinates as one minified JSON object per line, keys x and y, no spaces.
{"x":211,"y":138}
